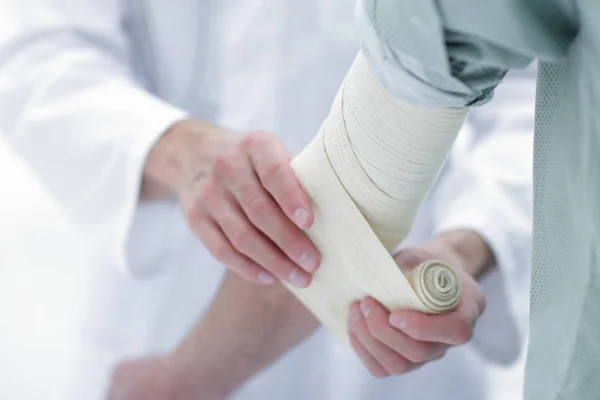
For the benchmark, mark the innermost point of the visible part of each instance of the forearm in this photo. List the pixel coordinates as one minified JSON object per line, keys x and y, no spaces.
{"x":246,"y":328}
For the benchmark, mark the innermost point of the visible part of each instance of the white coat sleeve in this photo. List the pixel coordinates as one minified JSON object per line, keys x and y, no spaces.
{"x":488,"y":188}
{"x":72,"y":107}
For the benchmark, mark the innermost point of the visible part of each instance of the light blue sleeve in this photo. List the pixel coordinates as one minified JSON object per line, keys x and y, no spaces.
{"x":454,"y":53}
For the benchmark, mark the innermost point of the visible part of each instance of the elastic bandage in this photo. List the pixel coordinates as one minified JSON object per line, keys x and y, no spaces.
{"x":366,"y":172}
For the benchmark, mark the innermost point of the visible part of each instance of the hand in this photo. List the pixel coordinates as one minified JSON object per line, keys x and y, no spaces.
{"x":241,"y":197}
{"x":403,"y":340}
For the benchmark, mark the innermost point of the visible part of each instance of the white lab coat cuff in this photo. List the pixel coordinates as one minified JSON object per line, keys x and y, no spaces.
{"x":157,"y":118}
{"x":501,"y":331}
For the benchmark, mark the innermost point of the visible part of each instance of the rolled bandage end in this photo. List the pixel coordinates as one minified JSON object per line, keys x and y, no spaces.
{"x":437,"y":285}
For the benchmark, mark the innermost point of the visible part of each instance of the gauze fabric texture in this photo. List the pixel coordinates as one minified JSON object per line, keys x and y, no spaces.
{"x":457,"y":58}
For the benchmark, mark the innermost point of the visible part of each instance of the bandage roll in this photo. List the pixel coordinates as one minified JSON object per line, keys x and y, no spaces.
{"x":366,"y":173}
{"x":436,"y":285}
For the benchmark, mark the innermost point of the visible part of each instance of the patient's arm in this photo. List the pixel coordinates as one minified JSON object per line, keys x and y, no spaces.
{"x":246,"y":328}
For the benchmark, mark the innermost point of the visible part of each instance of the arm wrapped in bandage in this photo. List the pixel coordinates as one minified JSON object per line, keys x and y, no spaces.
{"x":366,"y":173}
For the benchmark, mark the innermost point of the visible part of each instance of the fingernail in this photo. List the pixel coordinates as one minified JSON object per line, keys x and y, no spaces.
{"x":308,"y":262}
{"x":365,"y":307}
{"x":301,"y":217}
{"x":398,"y":320}
{"x":264,"y":277}
{"x":354,"y":314}
{"x":299,"y":279}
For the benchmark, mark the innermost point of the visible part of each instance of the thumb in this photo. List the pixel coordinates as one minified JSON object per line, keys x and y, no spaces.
{"x":411,"y":257}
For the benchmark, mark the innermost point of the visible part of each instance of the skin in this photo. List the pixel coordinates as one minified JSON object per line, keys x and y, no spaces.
{"x":239,"y":196}
{"x":403,"y":340}
{"x":247,"y":328}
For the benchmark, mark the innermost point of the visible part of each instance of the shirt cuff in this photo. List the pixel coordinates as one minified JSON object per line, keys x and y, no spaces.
{"x":417,"y":59}
{"x":151,"y":117}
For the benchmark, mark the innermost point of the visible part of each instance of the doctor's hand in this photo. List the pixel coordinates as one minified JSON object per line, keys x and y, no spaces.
{"x":240,"y":197}
{"x":403,"y":340}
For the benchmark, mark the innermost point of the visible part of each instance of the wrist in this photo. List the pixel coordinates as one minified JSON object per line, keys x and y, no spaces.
{"x":476,"y":256}
{"x":183,"y":153}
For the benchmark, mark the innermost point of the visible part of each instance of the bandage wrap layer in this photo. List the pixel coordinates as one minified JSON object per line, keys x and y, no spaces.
{"x":366,"y":172}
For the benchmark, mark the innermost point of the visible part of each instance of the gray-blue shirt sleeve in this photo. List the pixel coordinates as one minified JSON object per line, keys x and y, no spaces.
{"x":453,"y":53}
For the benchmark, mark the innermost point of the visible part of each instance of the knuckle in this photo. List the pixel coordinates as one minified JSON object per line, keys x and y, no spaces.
{"x":258,"y":208}
{"x":240,"y":237}
{"x":255,"y":138}
{"x":224,"y":165}
{"x":293,"y":243}
{"x":269,"y":171}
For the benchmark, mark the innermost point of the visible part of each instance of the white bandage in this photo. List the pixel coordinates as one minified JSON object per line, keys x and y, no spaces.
{"x":366,"y":172}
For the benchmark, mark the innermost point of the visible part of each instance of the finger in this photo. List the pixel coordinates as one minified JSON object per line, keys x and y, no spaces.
{"x":453,"y":328}
{"x":234,"y":173}
{"x":410,"y":258}
{"x":392,"y":362}
{"x":272,"y":165}
{"x":246,"y":239}
{"x":267,"y":216}
{"x":376,"y":319}
{"x":219,"y":247}
{"x":369,"y":362}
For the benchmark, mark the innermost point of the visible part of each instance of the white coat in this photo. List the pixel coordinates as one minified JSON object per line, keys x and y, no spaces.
{"x":46,"y":278}
{"x":86,"y":88}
